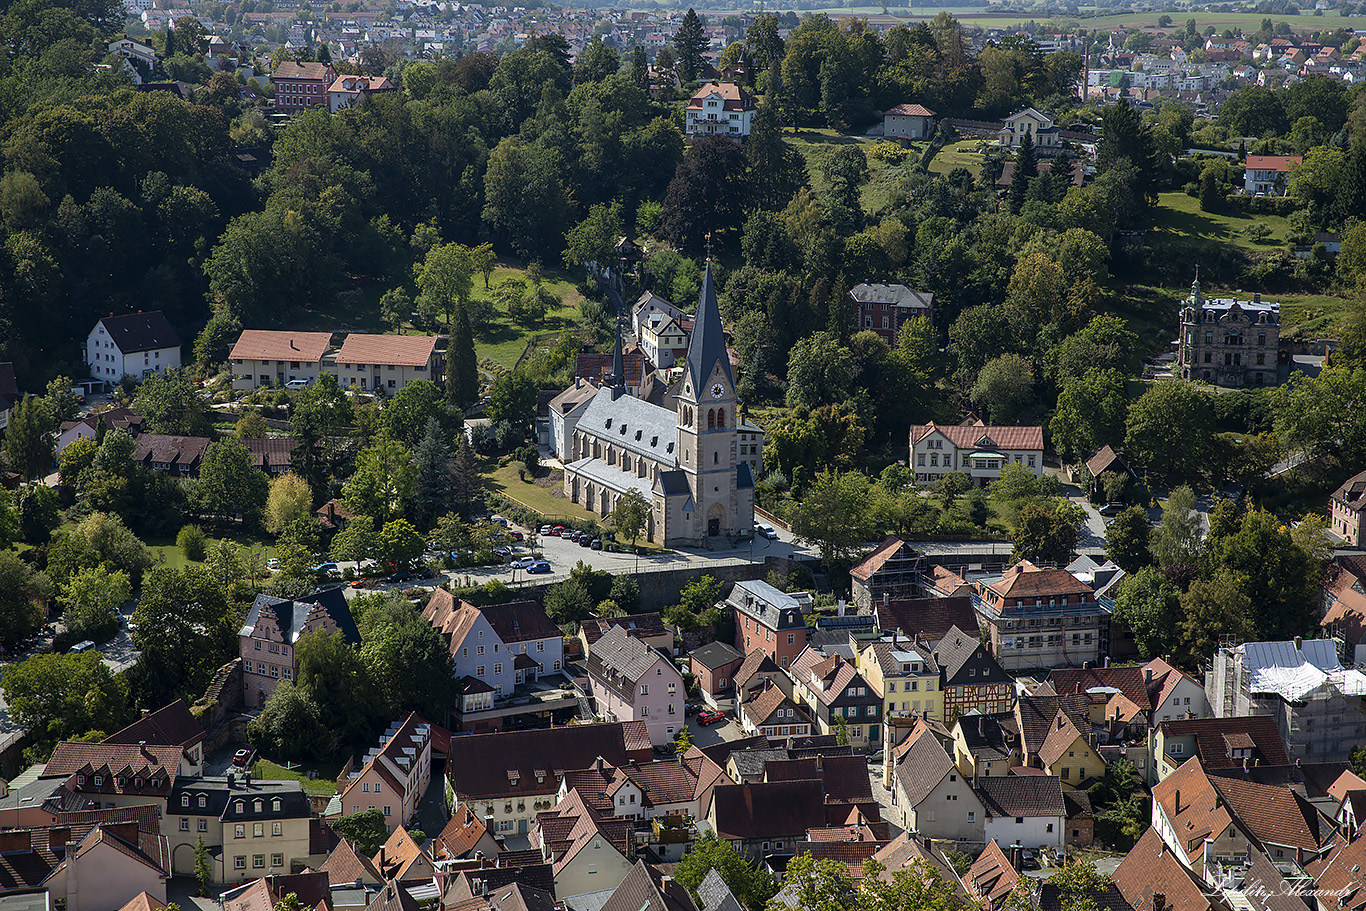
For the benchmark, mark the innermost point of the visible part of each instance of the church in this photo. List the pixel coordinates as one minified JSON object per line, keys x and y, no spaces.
{"x":685,"y":462}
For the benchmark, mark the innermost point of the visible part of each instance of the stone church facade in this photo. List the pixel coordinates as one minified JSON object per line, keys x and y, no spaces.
{"x":685,"y":462}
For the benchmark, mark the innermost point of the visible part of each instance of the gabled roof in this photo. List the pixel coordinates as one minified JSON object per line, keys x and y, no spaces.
{"x":1025,"y":580}
{"x":923,"y":765}
{"x":1104,"y":459}
{"x":991,"y":876}
{"x":573,"y":825}
{"x":1031,"y":796}
{"x":1275,"y":814}
{"x":393,"y":897}
{"x":931,"y":617}
{"x":985,"y":737}
{"x":143,"y":901}
{"x":734,"y":96}
{"x":280,"y":345}
{"x":869,"y":565}
{"x":783,"y":809}
{"x":620,"y":661}
{"x":896,"y":295}
{"x":1062,"y":734}
{"x":760,"y":710}
{"x":906,"y":851}
{"x":1272,"y":162}
{"x":509,"y":762}
{"x":324,"y":610}
{"x":1211,"y":748}
{"x":1150,"y":868}
{"x":345,"y":866}
{"x":707,"y":348}
{"x":908,"y":110}
{"x":141,"y":331}
{"x":149,"y":761}
{"x":171,"y":725}
{"x":981,"y":436}
{"x":957,"y":649}
{"x":511,"y":896}
{"x":715,"y":895}
{"x":1038,"y":714}
{"x":596,"y":367}
{"x":1353,"y":492}
{"x":159,"y":447}
{"x":307,"y":70}
{"x":645,"y":889}
{"x":755,"y":662}
{"x":400,"y":856}
{"x":1075,"y":681}
{"x":520,"y":621}
{"x":398,"y":350}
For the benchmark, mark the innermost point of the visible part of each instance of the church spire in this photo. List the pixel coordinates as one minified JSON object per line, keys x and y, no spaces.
{"x":618,"y":378}
{"x":708,"y":343}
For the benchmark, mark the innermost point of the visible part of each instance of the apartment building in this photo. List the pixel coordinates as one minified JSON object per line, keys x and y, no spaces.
{"x":393,"y":775}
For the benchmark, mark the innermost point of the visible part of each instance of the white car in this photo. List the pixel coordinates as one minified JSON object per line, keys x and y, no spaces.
{"x":272,"y":564}
{"x":766,"y":531}
{"x":523,"y":562}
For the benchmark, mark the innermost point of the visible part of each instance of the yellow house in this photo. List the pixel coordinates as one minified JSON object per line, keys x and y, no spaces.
{"x":904,"y":675}
{"x":256,"y":829}
{"x":983,"y":747}
{"x":1069,"y":753}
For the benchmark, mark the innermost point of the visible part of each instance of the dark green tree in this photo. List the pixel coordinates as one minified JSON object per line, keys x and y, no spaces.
{"x":1026,"y":169}
{"x":689,"y":42}
{"x":462,"y":367}
{"x":1126,"y":540}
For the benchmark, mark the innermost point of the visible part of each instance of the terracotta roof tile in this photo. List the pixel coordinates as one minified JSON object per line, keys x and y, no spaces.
{"x":1209,"y":739}
{"x":280,"y":345}
{"x":982,"y":436}
{"x":399,"y":350}
{"x":932,"y":617}
{"x":1037,"y":795}
{"x":1025,"y":580}
{"x":909,"y":110}
{"x":991,"y":876}
{"x":172,"y":725}
{"x":344,"y":866}
{"x":1151,"y":869}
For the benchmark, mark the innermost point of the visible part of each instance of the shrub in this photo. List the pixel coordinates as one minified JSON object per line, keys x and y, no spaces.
{"x":888,"y":151}
{"x":191,"y":540}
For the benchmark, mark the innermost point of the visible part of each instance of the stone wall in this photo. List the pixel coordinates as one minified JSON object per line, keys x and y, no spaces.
{"x":220,"y":708}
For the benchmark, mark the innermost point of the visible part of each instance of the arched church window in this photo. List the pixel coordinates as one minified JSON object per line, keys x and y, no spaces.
{"x":711,"y":418}
{"x":720,"y":419}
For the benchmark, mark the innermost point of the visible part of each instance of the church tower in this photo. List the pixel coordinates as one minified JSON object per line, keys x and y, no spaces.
{"x":707,"y":415}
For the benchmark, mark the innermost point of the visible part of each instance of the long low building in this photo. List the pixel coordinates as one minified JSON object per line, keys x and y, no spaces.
{"x":364,"y":361}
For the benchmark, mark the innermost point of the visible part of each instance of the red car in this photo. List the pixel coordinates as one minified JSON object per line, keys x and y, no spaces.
{"x":710,"y":717}
{"x":557,"y":530}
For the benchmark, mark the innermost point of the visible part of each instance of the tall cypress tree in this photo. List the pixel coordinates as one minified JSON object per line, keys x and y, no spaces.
{"x":462,"y":368}
{"x":1351,"y":202}
{"x":1026,"y":169}
{"x":690,"y":42}
{"x":640,"y":68}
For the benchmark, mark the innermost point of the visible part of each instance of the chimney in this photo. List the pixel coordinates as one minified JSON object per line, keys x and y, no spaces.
{"x":1176,"y":809}
{"x":1015,"y":857}
{"x":1160,"y":898}
{"x":381,"y":858}
{"x":146,"y":712}
{"x":1147,"y":676}
{"x":1107,"y":661}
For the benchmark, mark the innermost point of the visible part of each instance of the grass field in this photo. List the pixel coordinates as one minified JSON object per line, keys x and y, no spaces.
{"x":321,"y":786}
{"x":1178,"y":217}
{"x":503,"y":341}
{"x":1311,"y":316}
{"x":958,"y":155}
{"x":165,"y":552}
{"x":536,"y":497}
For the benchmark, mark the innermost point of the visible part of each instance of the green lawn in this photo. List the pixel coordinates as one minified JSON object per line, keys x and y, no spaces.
{"x":537,"y":497}
{"x":320,"y":787}
{"x":1178,"y":218}
{"x":958,"y":155}
{"x":165,"y":551}
{"x":815,"y":144}
{"x":1311,"y":316}
{"x":503,"y":341}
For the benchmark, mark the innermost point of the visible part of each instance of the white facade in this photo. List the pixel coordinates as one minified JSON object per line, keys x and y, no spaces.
{"x":110,"y":364}
{"x":722,"y":109}
{"x":483,"y":655}
{"x":1026,"y":831}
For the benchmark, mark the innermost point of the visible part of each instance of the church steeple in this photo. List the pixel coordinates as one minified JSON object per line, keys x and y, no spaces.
{"x":707,"y":347}
{"x":617,"y":381}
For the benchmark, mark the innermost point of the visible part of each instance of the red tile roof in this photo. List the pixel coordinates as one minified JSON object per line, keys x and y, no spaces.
{"x":307,"y":70}
{"x":982,"y":436}
{"x":1151,"y":869}
{"x":735,"y":98}
{"x":283,"y":345}
{"x":399,"y":350}
{"x":1272,"y":162}
{"x":991,"y":876}
{"x":1025,"y":580}
{"x":909,"y":110}
{"x":172,"y":725}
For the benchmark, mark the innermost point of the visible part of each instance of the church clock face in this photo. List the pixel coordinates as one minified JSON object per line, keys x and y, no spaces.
{"x":717,"y":391}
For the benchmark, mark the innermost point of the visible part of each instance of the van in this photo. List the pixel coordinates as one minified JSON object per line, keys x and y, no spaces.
{"x":298,"y":384}
{"x":83,"y":646}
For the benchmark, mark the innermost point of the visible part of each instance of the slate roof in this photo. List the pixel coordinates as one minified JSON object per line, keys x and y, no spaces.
{"x":957,"y":649}
{"x":768,"y":809}
{"x":897,"y":295}
{"x":620,"y":661}
{"x":399,"y":350}
{"x":171,"y":725}
{"x":985,"y":736}
{"x":1352,"y":493}
{"x":634,"y":425}
{"x":141,"y":331}
{"x":982,"y":436}
{"x":479,"y":766}
{"x":717,"y":654}
{"x":931,"y":617}
{"x":707,"y":348}
{"x":1036,"y":795}
{"x":326,"y":609}
{"x":715,"y":895}
{"x":187,"y":452}
{"x":280,"y":345}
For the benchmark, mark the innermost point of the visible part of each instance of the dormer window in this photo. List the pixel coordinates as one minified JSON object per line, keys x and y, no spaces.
{"x":275,"y":805}
{"x":184,"y":800}
{"x":203,"y":801}
{"x":239,"y":807}
{"x":99,"y":780}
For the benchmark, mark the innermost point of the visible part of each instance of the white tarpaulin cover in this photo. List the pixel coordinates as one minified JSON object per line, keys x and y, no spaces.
{"x":1291,"y":672}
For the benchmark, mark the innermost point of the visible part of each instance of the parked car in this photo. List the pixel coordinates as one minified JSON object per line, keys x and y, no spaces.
{"x":502,"y":553}
{"x":540,"y":566}
{"x":710,"y":716}
{"x":326,"y":568}
{"x":557,"y":531}
{"x":766,"y":531}
{"x":547,"y":529}
{"x":517,"y":536}
{"x":1111,"y":509}
{"x":243,"y":757}
{"x":399,"y":577}
{"x":596,"y":544}
{"x":359,"y":583}
{"x":585,"y":540}
{"x":272,"y":564}
{"x":425,"y":572}
{"x":498,"y":520}
{"x":523,"y":562}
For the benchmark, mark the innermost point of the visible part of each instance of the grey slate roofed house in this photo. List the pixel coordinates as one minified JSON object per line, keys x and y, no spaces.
{"x":134,"y":332}
{"x":716,"y":895}
{"x":292,"y":616}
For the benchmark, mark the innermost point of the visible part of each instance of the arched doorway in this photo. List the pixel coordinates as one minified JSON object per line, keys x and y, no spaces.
{"x":715,"y":516}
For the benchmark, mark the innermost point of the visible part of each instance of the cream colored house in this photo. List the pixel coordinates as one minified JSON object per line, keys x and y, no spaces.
{"x":108,"y":867}
{"x":267,"y":357}
{"x":387,"y":363}
{"x":931,"y":797}
{"x":252,"y":830}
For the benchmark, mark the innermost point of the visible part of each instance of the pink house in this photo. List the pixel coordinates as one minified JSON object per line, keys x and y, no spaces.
{"x":394,"y":776}
{"x":633,"y":682}
{"x":273,"y":627}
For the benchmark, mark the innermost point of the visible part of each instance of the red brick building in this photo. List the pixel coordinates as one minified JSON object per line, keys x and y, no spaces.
{"x":301,"y":86}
